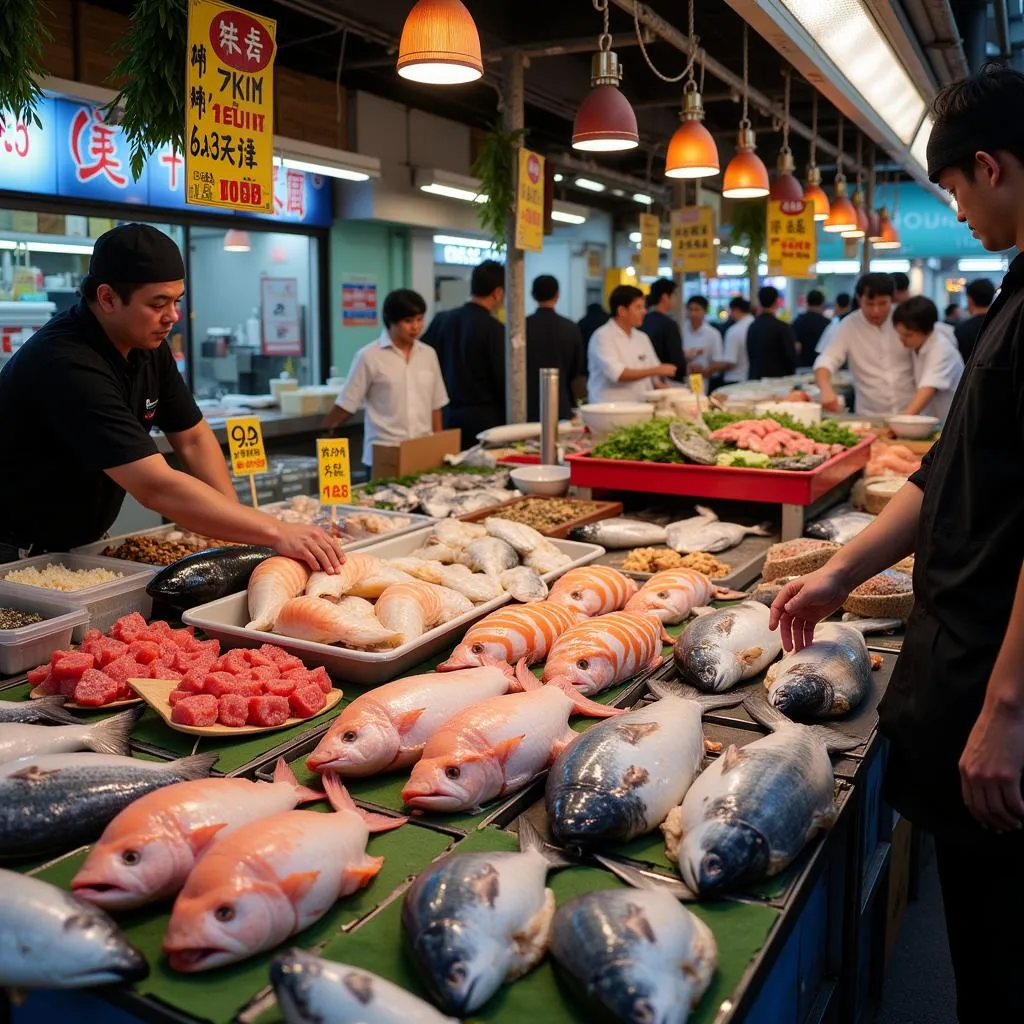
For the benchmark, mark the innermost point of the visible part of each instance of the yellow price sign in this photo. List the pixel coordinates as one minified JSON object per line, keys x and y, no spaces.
{"x":697,"y":383}
{"x":245,"y":443}
{"x":335,"y":471}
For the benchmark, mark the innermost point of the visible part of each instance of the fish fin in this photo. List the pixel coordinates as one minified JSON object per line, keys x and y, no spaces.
{"x":197,"y":766}
{"x":506,"y":748}
{"x":877,"y":661}
{"x":706,"y":513}
{"x":637,"y":879}
{"x":487,"y":661}
{"x":531,"y":839}
{"x":364,"y":873}
{"x":634,"y":732}
{"x":51,"y":708}
{"x":530,"y":943}
{"x":284,"y":774}
{"x":730,"y":758}
{"x":756,"y":705}
{"x":750,"y":655}
{"x":666,"y":639}
{"x":297,"y":885}
{"x":261,"y":625}
{"x":707,"y":701}
{"x":199,"y":838}
{"x":404,"y":723}
{"x":703,"y":610}
{"x":836,"y":741}
{"x":726,"y":594}
{"x":111,"y":736}
{"x":525,"y":680}
{"x":341,"y":800}
{"x":711,"y":747}
{"x":583,"y":705}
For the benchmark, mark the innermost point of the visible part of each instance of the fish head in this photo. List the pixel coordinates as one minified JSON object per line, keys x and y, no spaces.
{"x":363,"y":741}
{"x":461,"y":965}
{"x":453,"y":784}
{"x":670,"y":604}
{"x":704,"y":663}
{"x":311,"y":990}
{"x":226,"y":923}
{"x":127,"y":871}
{"x":722,"y":852}
{"x":583,"y":816}
{"x":586,"y":601}
{"x":470,"y":655}
{"x":634,"y":990}
{"x":800,"y":691}
{"x":95,"y":950}
{"x":588,"y":669}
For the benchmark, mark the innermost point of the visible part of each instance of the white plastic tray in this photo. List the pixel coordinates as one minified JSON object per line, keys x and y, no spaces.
{"x":27,"y":646}
{"x":97,"y":546}
{"x":418,"y":522}
{"x":225,"y":620}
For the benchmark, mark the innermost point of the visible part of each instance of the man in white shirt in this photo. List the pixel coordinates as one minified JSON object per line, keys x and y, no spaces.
{"x":702,"y":344}
{"x":734,"y":345}
{"x":621,"y":360}
{"x":398,"y":378}
{"x":882,"y":369}
{"x":938,"y":365}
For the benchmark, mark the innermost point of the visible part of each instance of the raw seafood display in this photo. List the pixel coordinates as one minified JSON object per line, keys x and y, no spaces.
{"x":705,"y":532}
{"x":770,"y":438}
{"x":265,"y":881}
{"x":273,"y":583}
{"x":206,"y":576}
{"x":545,"y":514}
{"x":617,"y":534}
{"x":45,"y":709}
{"x":146,"y":853}
{"x":109,"y":736}
{"x":55,"y":576}
{"x":620,"y":779}
{"x":891,"y":460}
{"x":672,"y":595}
{"x":523,"y":584}
{"x":753,"y":810}
{"x":650,"y":560}
{"x":154,"y":550}
{"x":726,"y":646}
{"x":410,"y":609}
{"x":840,"y":526}
{"x":347,"y":525}
{"x":56,"y":802}
{"x":475,"y":921}
{"x":593,"y":590}
{"x":350,"y":621}
{"x":439,"y":495}
{"x":692,"y":442}
{"x":52,"y":940}
{"x":797,"y":557}
{"x":535,"y":550}
{"x":488,"y":555}
{"x":13,"y":618}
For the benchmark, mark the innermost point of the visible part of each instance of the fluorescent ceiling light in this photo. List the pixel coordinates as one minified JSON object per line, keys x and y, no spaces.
{"x":326,"y":170}
{"x":559,"y":176}
{"x":67,"y":248}
{"x":567,"y":218}
{"x":890,"y":266}
{"x":839,"y":266}
{"x":589,"y":185}
{"x":919,"y":149}
{"x":664,"y":243}
{"x":731,"y":270}
{"x":476,"y":243}
{"x":634,"y":237}
{"x":739,"y":250}
{"x":450,"y":192}
{"x":448,"y":184}
{"x":664,"y":271}
{"x":642,"y":198}
{"x":331,"y":163}
{"x":569,"y":213}
{"x":847,"y":33}
{"x":981,"y":263}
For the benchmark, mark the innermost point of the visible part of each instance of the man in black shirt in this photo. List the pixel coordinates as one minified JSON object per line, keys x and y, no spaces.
{"x":552,"y":340}
{"x":596,"y":316}
{"x":771,"y":344}
{"x":980,"y":294}
{"x":470,"y":346}
{"x":78,"y":400}
{"x":809,"y":327}
{"x":954,"y":710}
{"x":661,"y":327}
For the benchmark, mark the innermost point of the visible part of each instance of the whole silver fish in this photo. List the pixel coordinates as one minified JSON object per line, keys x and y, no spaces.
{"x":705,"y":532}
{"x":636,"y":955}
{"x":46,"y":807}
{"x":49,"y":939}
{"x":523,"y":584}
{"x":617,"y":534}
{"x":622,"y":776}
{"x":841,"y":526}
{"x":109,"y":736}
{"x":311,"y":990}
{"x":477,"y":920}
{"x":726,"y":646}
{"x":489,"y":555}
{"x":751,"y":812}
{"x":34,"y":712}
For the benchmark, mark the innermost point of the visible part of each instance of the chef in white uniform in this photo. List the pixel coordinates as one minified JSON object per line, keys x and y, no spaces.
{"x":938,"y":365}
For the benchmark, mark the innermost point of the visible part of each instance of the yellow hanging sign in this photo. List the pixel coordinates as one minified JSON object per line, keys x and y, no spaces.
{"x":792,"y":241}
{"x":229,"y":118}
{"x":335,"y":470}
{"x":647,"y":258}
{"x":245,"y":443}
{"x":530,"y":202}
{"x":693,"y":241}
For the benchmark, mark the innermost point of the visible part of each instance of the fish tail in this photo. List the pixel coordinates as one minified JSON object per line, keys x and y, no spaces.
{"x":866,"y":626}
{"x":195,"y":767}
{"x":52,"y":710}
{"x":636,"y":878}
{"x":525,"y":680}
{"x":341,"y":800}
{"x":504,"y":666}
{"x":580,"y":704}
{"x":757,"y":706}
{"x":531,"y":839}
{"x":112,"y":735}
{"x":707,"y":701}
{"x":836,"y":741}
{"x":284,"y":774}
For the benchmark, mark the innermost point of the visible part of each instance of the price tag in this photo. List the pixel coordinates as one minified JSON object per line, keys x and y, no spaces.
{"x":335,"y":471}
{"x":245,"y":442}
{"x":697,"y":383}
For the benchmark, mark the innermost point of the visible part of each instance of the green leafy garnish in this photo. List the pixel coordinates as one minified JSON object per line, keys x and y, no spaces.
{"x":642,"y":442}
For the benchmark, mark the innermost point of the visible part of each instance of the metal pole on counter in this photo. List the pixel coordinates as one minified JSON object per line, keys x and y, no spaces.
{"x":548,"y":416}
{"x":513,"y":65}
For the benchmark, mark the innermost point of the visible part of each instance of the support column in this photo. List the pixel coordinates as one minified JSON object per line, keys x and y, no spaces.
{"x":869,"y":202}
{"x":513,"y":66}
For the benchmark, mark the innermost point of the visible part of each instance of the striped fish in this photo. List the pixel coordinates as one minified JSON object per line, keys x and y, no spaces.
{"x":593,"y":590}
{"x":509,"y":634}
{"x":672,"y":595}
{"x":605,"y":651}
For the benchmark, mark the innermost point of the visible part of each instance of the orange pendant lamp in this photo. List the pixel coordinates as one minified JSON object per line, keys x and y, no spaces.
{"x":785,"y":186}
{"x":874,"y":227}
{"x":440,"y":44}
{"x":813,"y":192}
{"x":860,"y":228}
{"x":746,"y":177}
{"x":890,"y":238}
{"x":692,"y":152}
{"x":842,"y":216}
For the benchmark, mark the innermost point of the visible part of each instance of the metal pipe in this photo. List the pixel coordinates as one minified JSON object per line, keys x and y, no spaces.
{"x":548,"y":415}
{"x":515,"y":262}
{"x":587,"y":44}
{"x":975,"y":28}
{"x":626,"y":181}
{"x":1002,"y":19}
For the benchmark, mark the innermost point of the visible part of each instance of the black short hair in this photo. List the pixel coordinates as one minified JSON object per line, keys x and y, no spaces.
{"x":545,"y":288}
{"x":402,"y":304}
{"x":740,"y":303}
{"x":767,"y":296}
{"x":918,"y":313}
{"x":815,"y":298}
{"x":698,"y":300}
{"x":951,"y":308}
{"x":623,"y":295}
{"x":900,"y":281}
{"x":487,"y":278}
{"x":663,"y":286}
{"x":981,"y":292}
{"x":872,"y":286}
{"x":843,"y":299}
{"x":90,"y":283}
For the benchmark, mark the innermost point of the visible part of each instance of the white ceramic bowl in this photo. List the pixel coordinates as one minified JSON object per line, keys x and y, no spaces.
{"x":551,"y":481}
{"x":602,"y":418}
{"x":915,"y":428}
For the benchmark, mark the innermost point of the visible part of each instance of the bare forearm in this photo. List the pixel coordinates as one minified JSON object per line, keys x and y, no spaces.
{"x":823,"y":378}
{"x":436,"y":421}
{"x":203,"y":458}
{"x":335,"y":417}
{"x":631,"y":374}
{"x":919,"y":401}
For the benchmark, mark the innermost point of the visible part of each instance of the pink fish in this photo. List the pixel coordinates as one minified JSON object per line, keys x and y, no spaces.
{"x":672,"y":595}
{"x":593,"y":590}
{"x":410,"y":609}
{"x":147,"y":851}
{"x":272,"y":584}
{"x":496,"y":746}
{"x":267,"y":880}
{"x":356,"y":569}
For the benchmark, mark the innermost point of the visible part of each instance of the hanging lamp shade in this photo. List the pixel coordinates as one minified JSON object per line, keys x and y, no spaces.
{"x":785,"y":185}
{"x":692,"y":152}
{"x":746,"y":177}
{"x":237,"y":241}
{"x":860,"y":227}
{"x":874,"y":227}
{"x":814,"y":193}
{"x":605,"y":122}
{"x":440,"y":44}
{"x":890,"y":238}
{"x":842,"y":216}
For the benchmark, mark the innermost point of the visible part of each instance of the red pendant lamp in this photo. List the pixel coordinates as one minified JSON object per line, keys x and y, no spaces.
{"x":842,"y":216}
{"x":746,"y":177}
{"x":785,"y":186}
{"x":605,"y":122}
{"x":813,"y":192}
{"x":440,"y":44}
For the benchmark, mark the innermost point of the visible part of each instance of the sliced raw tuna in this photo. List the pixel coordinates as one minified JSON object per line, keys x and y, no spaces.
{"x":175,"y":695}
{"x":233,"y":710}
{"x":161,"y":670}
{"x":125,"y":668}
{"x":128,"y":627}
{"x":268,"y":711}
{"x":73,"y":666}
{"x":306,"y":701}
{"x":198,"y":710}
{"x":320,"y":676}
{"x":145,"y":652}
{"x":264,"y":673}
{"x":38,"y":676}
{"x":95,"y":689}
{"x":280,"y":687}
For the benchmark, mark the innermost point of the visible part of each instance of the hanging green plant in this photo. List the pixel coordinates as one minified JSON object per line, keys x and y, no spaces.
{"x":495,"y":166}
{"x":22,"y":35}
{"x":152,"y":101}
{"x":748,"y":222}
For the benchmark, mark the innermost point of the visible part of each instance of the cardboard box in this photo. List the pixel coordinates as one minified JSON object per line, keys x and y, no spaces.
{"x":420,"y":453}
{"x":899,"y":883}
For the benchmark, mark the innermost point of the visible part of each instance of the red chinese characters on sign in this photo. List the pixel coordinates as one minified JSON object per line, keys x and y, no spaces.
{"x":533,"y":168}
{"x":93,"y":148}
{"x":295,"y":195}
{"x":14,"y":138}
{"x":241,"y":41}
{"x":172,"y":161}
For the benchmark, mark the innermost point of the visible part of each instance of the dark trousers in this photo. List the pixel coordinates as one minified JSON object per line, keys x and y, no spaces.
{"x":983,"y":899}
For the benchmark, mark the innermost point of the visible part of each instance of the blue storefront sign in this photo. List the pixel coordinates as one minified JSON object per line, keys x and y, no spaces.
{"x":76,"y":154}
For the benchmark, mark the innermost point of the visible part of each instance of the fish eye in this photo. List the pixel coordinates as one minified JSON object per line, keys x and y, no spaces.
{"x":643,"y":1012}
{"x":349,"y":737}
{"x":583,"y":664}
{"x":478,"y":648}
{"x":452,"y":772}
{"x":130,"y":857}
{"x":576,"y":595}
{"x":663,"y":594}
{"x":225,"y":913}
{"x":712,"y":865}
{"x":457,"y":974}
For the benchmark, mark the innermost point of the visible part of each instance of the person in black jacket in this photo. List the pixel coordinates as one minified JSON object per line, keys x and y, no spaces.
{"x":661,"y":327}
{"x":596,"y":316}
{"x":809,"y":327}
{"x":771,"y":344}
{"x":470,"y":345}
{"x":552,"y":340}
{"x":980,"y":294}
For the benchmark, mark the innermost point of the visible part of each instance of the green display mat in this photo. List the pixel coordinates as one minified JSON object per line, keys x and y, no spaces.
{"x":740,"y":931}
{"x":217,"y":996}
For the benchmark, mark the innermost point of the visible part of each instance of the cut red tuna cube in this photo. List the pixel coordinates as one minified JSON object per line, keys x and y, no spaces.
{"x":128,"y":627}
{"x":280,"y":687}
{"x":161,"y":670}
{"x":38,"y":676}
{"x":72,"y":666}
{"x":307,"y":701}
{"x":264,"y":673}
{"x":95,"y":689}
{"x":268,"y":711}
{"x":320,"y":676}
{"x":145,"y":652}
{"x":125,"y":668}
{"x":233,"y":710}
{"x":198,"y":710}
{"x":175,"y":695}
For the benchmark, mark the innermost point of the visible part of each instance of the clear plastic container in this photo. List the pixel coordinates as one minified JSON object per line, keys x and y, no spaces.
{"x":106,"y":602}
{"x":27,"y":646}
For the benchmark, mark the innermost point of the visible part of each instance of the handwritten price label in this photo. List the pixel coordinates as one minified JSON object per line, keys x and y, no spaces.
{"x":245,"y":443}
{"x":335,"y":471}
{"x":697,"y":383}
